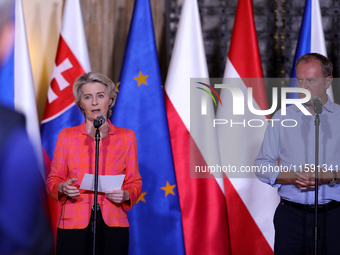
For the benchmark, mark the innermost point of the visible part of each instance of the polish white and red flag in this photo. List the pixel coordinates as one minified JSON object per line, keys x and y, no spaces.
{"x":250,"y":203}
{"x":194,"y":142}
{"x":72,"y":60}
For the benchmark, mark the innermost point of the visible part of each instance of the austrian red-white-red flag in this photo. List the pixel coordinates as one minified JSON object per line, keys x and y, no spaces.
{"x":72,"y":60}
{"x":201,"y":199}
{"x":250,"y":203}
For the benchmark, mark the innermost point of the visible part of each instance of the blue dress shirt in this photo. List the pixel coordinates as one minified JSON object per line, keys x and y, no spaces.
{"x":295,"y":146}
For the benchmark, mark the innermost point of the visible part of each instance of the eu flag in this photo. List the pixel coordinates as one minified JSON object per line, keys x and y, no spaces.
{"x":155,"y":220}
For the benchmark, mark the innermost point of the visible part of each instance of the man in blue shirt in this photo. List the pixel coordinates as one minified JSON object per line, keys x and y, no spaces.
{"x":287,"y":158}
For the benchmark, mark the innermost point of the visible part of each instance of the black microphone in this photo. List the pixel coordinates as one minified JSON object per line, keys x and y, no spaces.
{"x":317,"y":105}
{"x":100,"y":120}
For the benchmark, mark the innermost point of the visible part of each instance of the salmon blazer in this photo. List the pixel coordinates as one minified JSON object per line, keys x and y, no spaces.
{"x":74,"y":155}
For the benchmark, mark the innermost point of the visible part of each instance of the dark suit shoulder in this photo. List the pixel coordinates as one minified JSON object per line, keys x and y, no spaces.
{"x":11,"y":119}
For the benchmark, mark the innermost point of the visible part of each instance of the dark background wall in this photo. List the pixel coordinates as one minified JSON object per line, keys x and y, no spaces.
{"x":277,"y":26}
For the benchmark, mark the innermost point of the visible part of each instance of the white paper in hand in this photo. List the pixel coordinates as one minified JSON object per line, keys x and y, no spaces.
{"x":105,"y":182}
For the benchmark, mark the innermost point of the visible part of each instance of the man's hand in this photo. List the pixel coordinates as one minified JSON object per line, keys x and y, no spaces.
{"x":301,"y":180}
{"x":304,"y":179}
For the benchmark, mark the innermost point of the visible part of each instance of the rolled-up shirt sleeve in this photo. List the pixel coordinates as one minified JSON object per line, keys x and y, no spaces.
{"x":268,"y":155}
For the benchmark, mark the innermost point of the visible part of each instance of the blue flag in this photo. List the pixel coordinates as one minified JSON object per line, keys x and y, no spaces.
{"x":17,"y":87}
{"x":304,"y":41}
{"x":7,"y":81}
{"x":155,"y":220}
{"x":311,"y":38}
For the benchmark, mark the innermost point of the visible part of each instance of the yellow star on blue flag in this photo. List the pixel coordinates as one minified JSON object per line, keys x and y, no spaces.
{"x":141,"y":197}
{"x":155,"y":225}
{"x":169,"y":189}
{"x":141,"y":79}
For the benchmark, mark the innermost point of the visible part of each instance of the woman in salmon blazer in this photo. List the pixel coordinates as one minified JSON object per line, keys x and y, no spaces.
{"x":74,"y":156}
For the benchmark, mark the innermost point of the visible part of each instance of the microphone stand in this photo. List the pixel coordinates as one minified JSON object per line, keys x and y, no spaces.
{"x":317,"y":124}
{"x":95,"y":204}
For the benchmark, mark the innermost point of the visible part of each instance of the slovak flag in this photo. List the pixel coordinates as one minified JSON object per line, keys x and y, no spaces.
{"x":311,"y":38}
{"x":61,"y":111}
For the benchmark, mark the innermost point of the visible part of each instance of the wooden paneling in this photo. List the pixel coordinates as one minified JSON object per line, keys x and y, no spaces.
{"x":107,"y":24}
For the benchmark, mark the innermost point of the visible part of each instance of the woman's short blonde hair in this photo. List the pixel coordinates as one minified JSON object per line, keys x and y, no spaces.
{"x":92,"y":77}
